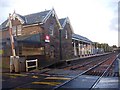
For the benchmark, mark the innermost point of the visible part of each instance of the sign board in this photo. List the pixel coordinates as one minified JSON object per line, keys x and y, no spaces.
{"x":47,"y":38}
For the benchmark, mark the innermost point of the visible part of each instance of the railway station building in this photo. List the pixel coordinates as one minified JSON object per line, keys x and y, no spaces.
{"x":44,"y":37}
{"x":66,"y":39}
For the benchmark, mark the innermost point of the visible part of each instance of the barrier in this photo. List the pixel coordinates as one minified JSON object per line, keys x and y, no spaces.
{"x":29,"y":61}
{"x":14,"y":64}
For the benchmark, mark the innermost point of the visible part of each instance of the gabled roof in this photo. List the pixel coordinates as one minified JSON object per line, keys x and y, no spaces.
{"x":81,"y":38}
{"x":31,"y":18}
{"x":62,"y":20}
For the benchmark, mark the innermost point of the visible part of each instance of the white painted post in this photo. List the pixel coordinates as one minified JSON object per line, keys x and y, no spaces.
{"x":75,"y":52}
{"x":83,"y":50}
{"x":79,"y":48}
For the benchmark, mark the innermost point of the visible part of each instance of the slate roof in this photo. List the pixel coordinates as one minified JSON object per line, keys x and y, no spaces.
{"x":62,"y":20}
{"x":31,"y":18}
{"x":81,"y":38}
{"x":4,"y":24}
{"x":36,"y":17}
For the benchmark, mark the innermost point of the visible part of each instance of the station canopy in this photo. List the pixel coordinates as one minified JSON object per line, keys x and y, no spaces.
{"x":81,"y":38}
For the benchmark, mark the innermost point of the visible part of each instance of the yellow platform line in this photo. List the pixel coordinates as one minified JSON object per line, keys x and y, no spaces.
{"x":47,"y":83}
{"x":35,"y":77}
{"x":23,"y":75}
{"x":58,"y":78}
{"x":24,"y":89}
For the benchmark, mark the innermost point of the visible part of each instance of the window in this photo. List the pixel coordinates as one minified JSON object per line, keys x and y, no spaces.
{"x":66,"y":34}
{"x":51,"y":28}
{"x":14,"y":30}
{"x":19,"y":30}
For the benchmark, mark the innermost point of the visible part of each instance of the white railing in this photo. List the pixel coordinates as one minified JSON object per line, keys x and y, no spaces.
{"x":29,"y":61}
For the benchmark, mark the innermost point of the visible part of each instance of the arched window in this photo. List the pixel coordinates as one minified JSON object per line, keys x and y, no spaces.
{"x":66,"y":34}
{"x":51,"y":29}
{"x":19,"y":28}
{"x":16,"y":30}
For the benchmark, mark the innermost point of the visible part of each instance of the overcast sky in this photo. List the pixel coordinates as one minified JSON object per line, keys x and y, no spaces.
{"x":94,"y":19}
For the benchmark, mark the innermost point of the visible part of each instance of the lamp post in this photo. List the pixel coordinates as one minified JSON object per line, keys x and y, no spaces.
{"x":60,"y":36}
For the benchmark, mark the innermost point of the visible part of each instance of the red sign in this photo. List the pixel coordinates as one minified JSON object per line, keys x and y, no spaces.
{"x":47,"y":38}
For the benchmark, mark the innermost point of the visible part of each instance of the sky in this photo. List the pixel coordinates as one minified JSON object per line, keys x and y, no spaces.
{"x":94,"y":19}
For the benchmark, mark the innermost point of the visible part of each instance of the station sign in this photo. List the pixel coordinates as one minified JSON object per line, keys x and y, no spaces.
{"x":47,"y":38}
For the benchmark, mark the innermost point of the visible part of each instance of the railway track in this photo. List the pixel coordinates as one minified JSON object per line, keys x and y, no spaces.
{"x":55,"y":78}
{"x":74,"y":64}
{"x":107,"y":64}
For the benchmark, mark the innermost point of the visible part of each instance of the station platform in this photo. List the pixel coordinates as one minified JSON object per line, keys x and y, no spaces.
{"x":85,"y":57}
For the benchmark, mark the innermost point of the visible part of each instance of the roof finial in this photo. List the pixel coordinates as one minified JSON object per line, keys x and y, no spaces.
{"x":14,"y":11}
{"x":14,"y":15}
{"x":52,"y":8}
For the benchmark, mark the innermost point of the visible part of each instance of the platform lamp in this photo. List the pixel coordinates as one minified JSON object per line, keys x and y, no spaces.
{"x":60,"y":38}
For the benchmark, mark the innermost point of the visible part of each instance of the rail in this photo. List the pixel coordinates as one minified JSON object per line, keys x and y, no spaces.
{"x":80,"y":74}
{"x":84,"y":72}
{"x":98,"y":80}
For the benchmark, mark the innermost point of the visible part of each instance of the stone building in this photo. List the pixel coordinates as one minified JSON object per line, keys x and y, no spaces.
{"x":44,"y":37}
{"x":36,"y":36}
{"x":66,"y":35}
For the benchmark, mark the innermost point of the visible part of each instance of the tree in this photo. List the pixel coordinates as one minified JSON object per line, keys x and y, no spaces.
{"x":114,"y":46}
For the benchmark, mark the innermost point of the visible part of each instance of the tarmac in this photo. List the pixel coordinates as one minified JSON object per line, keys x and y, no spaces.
{"x":50,"y":79}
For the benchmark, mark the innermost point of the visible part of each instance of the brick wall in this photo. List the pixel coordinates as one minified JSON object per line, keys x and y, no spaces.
{"x":31,"y":30}
{"x":53,"y":45}
{"x":67,"y":48}
{"x":5,"y":34}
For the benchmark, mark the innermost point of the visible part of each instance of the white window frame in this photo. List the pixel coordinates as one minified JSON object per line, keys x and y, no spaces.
{"x":14,"y":30}
{"x":51,"y":29}
{"x":66,"y":34}
{"x":19,"y":30}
